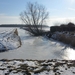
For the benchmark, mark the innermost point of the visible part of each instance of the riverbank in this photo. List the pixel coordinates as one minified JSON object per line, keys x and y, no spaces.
{"x":37,"y":67}
{"x":65,"y":37}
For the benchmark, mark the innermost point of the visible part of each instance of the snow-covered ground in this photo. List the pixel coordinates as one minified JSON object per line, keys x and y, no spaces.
{"x":37,"y":67}
{"x":9,"y":40}
{"x":37,"y":56}
{"x":38,"y":48}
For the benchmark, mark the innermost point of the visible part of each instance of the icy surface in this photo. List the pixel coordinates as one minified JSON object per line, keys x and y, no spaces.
{"x":9,"y":40}
{"x":38,"y":48}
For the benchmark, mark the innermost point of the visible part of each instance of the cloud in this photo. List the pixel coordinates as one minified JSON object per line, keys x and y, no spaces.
{"x":73,"y":9}
{"x":71,"y":1}
{"x":5,"y":19}
{"x":58,"y":21}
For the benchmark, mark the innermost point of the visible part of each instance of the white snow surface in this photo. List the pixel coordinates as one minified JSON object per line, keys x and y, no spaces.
{"x":25,"y":67}
{"x":9,"y":40}
{"x":37,"y":48}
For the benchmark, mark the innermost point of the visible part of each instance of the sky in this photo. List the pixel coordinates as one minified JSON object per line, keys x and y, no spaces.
{"x":60,"y":11}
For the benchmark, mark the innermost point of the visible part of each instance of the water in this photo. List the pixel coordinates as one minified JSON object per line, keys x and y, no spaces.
{"x":39,"y":48}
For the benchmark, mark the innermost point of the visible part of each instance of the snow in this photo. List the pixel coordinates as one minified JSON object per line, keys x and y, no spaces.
{"x":35,"y":47}
{"x":38,"y":69}
{"x":9,"y":40}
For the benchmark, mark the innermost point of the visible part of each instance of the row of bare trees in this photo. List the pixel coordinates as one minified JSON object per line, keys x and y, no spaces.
{"x":34,"y":14}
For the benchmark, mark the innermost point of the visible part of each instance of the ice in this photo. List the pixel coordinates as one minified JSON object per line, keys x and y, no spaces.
{"x":9,"y":40}
{"x":35,"y":47}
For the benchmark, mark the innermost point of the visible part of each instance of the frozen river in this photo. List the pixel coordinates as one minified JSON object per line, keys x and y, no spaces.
{"x":38,"y":48}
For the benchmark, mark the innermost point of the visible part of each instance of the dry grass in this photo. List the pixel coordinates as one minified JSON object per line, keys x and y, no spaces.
{"x":68,"y":39}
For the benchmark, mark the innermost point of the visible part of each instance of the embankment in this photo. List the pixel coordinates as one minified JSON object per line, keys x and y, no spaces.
{"x":65,"y":37}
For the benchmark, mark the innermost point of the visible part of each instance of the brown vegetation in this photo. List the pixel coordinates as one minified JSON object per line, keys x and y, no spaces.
{"x":65,"y":37}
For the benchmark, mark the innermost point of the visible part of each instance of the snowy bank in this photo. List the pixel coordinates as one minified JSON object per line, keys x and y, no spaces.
{"x":9,"y":40}
{"x":65,"y":37}
{"x":37,"y":67}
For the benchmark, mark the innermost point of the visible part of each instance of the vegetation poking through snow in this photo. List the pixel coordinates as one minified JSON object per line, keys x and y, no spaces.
{"x":33,"y":67}
{"x":65,"y":37}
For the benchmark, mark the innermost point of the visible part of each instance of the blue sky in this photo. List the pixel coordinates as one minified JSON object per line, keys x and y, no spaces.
{"x":10,"y":9}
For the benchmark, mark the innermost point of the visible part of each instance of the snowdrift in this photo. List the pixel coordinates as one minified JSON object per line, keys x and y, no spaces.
{"x":9,"y":40}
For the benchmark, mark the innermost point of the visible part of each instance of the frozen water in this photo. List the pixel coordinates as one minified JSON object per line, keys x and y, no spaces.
{"x":38,"y":48}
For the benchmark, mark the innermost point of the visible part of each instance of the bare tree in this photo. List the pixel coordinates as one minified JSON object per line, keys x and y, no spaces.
{"x":35,"y":15}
